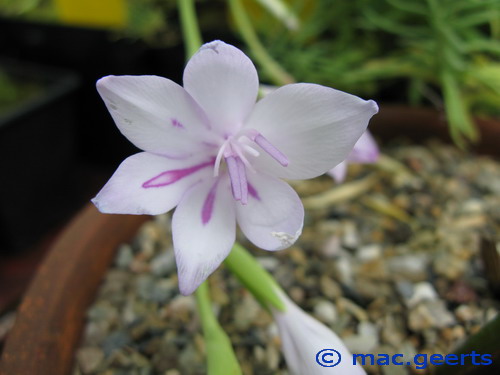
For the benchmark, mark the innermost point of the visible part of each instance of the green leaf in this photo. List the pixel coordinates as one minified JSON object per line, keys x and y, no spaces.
{"x":462,"y":128}
{"x":281,"y":11}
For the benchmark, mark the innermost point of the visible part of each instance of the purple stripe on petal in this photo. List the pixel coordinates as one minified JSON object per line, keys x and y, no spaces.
{"x":253,"y":193}
{"x":169,"y":177}
{"x":208,"y":205}
{"x":176,"y":123}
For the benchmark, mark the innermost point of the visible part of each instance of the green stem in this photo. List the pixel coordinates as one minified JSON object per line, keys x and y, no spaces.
{"x":277,"y":74}
{"x":254,"y":277}
{"x":208,"y":319}
{"x":190,"y":29}
{"x":221,"y":359}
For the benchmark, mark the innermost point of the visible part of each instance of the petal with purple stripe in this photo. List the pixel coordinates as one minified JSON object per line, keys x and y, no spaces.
{"x":127,"y":193}
{"x":204,"y":230}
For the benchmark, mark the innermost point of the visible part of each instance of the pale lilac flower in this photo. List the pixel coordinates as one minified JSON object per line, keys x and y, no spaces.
{"x":219,"y":157}
{"x":365,"y":151}
{"x":303,"y":337}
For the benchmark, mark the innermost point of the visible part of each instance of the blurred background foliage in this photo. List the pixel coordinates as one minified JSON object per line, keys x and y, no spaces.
{"x":442,"y":53}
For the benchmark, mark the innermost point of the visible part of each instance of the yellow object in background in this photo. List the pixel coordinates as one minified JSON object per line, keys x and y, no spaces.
{"x":94,"y":13}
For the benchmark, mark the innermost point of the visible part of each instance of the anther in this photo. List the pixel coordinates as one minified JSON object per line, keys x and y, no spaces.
{"x":268,"y":147}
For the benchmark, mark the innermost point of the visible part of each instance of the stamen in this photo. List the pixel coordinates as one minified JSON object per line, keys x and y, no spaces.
{"x":267,"y":146}
{"x":240,"y":154}
{"x":243,"y":181}
{"x":232,"y":167}
{"x":271,"y":150}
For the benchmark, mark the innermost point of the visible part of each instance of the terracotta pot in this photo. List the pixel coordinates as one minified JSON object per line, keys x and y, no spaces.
{"x":51,"y":316}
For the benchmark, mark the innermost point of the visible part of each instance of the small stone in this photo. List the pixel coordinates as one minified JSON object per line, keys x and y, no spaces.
{"x":163,"y":264}
{"x":461,"y":292}
{"x":272,"y":357}
{"x":259,"y":354}
{"x":350,"y":238}
{"x":369,"y":253}
{"x":332,"y":248}
{"x":365,"y":340}
{"x":465,"y":313}
{"x":115,"y":341}
{"x":125,"y":256}
{"x":430,"y":314}
{"x":345,"y":269}
{"x":451,"y":267}
{"x":405,"y":289}
{"x":89,"y":359}
{"x":423,"y":291}
{"x":393,"y":330}
{"x":163,"y":290}
{"x":269,"y":263}
{"x":180,"y":308}
{"x":297,"y":294}
{"x":411,"y":267}
{"x":246,"y":311}
{"x":326,"y":312}
{"x":329,"y":287}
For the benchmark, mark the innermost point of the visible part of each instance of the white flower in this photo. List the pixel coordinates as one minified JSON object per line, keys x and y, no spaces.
{"x":365,"y":151}
{"x":218,"y":156}
{"x":303,"y":337}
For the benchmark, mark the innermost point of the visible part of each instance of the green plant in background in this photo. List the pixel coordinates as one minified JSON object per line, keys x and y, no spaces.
{"x":451,"y":46}
{"x":446,"y":51}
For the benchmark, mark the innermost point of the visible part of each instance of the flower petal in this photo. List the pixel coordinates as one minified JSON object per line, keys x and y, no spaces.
{"x":273,"y":217}
{"x":314,"y":126}
{"x":303,"y":337}
{"x":155,"y":114}
{"x":365,"y":150}
{"x":224,"y":82}
{"x":204,"y":230}
{"x":339,"y":172}
{"x":141,"y":185}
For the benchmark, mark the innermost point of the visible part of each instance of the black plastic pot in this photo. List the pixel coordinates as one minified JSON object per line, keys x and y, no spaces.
{"x":37,"y":137}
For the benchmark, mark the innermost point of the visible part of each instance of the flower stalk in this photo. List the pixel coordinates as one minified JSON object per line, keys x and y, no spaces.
{"x":190,"y":29}
{"x":274,"y":70}
{"x":221,"y":359}
{"x":254,"y":277}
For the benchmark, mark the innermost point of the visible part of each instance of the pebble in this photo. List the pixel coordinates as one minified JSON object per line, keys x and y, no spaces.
{"x":423,"y":291}
{"x":430,"y":314}
{"x":365,"y":340}
{"x":89,"y":359}
{"x":164,"y":263}
{"x":325,"y":311}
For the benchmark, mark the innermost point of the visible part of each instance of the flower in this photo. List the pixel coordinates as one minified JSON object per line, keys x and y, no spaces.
{"x":303,"y":338}
{"x":365,"y":151}
{"x":219,"y":156}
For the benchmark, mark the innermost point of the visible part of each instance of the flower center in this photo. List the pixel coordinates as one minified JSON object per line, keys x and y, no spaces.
{"x":235,"y":150}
